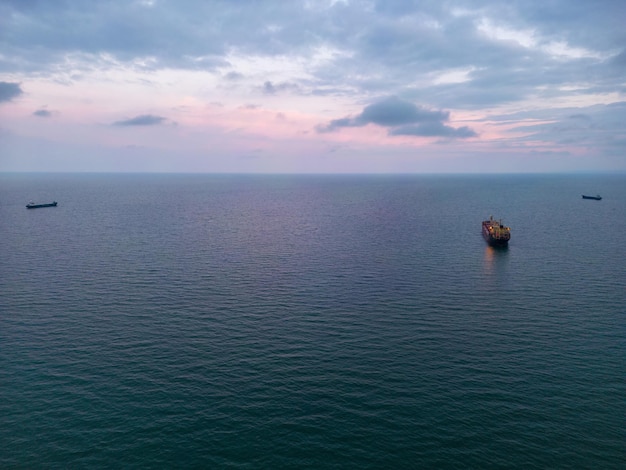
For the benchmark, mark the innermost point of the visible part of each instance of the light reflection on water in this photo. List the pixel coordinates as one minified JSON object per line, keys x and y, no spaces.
{"x":494,"y":258}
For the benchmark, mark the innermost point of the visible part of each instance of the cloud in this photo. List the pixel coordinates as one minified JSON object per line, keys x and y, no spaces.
{"x":598,"y":128}
{"x":42,"y":113}
{"x":270,"y":88}
{"x":233,"y":76}
{"x":143,"y":120}
{"x":352,"y":48}
{"x":394,"y":111}
{"x":387,"y":113}
{"x":580,"y":116}
{"x":402,"y":118}
{"x":9,"y":90}
{"x":620,"y":59}
{"x":434,"y":129}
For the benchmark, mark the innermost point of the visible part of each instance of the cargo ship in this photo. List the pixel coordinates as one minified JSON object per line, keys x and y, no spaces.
{"x":32,"y":205}
{"x":595,"y":198}
{"x":495,"y":233}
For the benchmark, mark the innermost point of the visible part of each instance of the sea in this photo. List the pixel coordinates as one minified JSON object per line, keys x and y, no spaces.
{"x":312,"y":322}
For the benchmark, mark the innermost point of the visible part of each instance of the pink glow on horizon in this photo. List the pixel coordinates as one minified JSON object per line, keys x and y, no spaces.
{"x":275,"y":136}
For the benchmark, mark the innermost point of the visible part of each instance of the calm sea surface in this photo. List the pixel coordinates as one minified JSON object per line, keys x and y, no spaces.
{"x":168,"y":321}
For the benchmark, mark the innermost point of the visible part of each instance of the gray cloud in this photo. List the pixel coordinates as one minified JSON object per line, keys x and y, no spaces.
{"x":597,"y":127}
{"x":42,"y":113}
{"x":9,"y":90}
{"x":270,"y":88}
{"x":620,"y":59}
{"x":389,"y":112}
{"x":402,"y":38}
{"x":402,"y":118}
{"x":233,"y":76}
{"x":143,"y":120}
{"x":434,"y":129}
{"x":580,"y":116}
{"x":394,"y":111}
{"x":388,"y":45}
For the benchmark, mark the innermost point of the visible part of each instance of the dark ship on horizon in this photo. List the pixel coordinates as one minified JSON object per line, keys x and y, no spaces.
{"x":32,"y":205}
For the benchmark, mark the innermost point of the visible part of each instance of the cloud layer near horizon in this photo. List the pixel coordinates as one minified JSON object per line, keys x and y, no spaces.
{"x":271,"y":76}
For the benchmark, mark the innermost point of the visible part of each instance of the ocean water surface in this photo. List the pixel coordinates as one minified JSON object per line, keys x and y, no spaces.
{"x":284,"y":321}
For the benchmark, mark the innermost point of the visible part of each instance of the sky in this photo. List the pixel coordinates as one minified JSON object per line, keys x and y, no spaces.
{"x":328,"y":86}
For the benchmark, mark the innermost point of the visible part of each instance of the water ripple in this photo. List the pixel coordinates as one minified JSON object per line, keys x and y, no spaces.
{"x":309,"y":322}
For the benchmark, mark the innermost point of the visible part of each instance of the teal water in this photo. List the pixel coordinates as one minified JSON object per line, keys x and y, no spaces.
{"x":162,"y":321}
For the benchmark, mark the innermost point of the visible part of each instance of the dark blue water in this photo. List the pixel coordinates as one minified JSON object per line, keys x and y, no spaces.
{"x":164,"y":321}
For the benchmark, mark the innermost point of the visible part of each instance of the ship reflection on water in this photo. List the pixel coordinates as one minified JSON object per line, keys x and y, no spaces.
{"x":495,"y":257}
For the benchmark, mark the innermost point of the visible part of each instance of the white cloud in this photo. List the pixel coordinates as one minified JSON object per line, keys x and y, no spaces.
{"x":562,"y":49}
{"x":453,"y":76}
{"x":524,"y":38}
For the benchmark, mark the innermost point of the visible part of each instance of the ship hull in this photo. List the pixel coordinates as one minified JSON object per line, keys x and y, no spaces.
{"x":37,"y":206}
{"x":495,"y":242}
